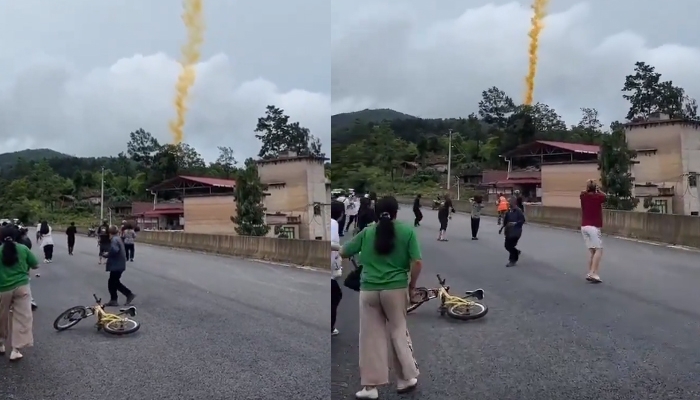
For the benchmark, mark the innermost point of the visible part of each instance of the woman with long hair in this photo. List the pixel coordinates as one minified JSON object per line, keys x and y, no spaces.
{"x":46,"y":241}
{"x":444,"y":216}
{"x":15,"y":262}
{"x":337,"y":210}
{"x":365,"y":214}
{"x":391,"y":258}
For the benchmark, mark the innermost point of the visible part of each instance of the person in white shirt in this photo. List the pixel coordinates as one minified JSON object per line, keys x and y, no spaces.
{"x":341,"y":222}
{"x":337,"y":211}
{"x":351,"y":207}
{"x":45,"y":240}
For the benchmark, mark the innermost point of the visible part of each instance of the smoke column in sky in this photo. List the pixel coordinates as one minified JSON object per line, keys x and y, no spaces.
{"x":539,"y":8}
{"x":191,"y":53}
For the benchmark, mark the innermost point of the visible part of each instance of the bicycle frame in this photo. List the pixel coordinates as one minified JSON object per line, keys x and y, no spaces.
{"x":103,"y":317}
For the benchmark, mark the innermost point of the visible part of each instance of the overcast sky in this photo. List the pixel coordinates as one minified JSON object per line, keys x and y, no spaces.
{"x":434,"y":58}
{"x":77,"y":76}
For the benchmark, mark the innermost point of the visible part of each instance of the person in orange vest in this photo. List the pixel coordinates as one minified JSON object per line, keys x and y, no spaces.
{"x":502,"y":204}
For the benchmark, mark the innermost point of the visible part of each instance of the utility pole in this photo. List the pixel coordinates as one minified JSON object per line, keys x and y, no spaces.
{"x":102,"y":197}
{"x":449,"y":161}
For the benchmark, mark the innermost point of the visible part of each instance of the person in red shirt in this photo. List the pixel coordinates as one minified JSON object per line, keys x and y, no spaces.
{"x":592,"y":200}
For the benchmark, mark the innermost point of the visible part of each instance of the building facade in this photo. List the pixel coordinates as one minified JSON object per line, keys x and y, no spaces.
{"x":667,"y":163}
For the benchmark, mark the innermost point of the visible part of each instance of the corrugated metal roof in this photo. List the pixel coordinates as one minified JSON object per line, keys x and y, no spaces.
{"x":227,"y":183}
{"x":575,"y":147}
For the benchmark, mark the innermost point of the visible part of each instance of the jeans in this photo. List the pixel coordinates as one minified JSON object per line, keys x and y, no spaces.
{"x":130,"y":248}
{"x":475,"y":226}
{"x":419,"y":216}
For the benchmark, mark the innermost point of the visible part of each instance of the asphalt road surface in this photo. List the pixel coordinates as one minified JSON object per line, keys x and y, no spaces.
{"x":212,"y":328}
{"x":549,"y":334}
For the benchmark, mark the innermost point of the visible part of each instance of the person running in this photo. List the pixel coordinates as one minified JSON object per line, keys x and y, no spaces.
{"x":337,"y":210}
{"x":46,"y":241}
{"x":502,"y":206}
{"x":103,"y":240}
{"x":513,"y":222}
{"x":128,"y":235}
{"x":71,"y":231}
{"x":477,"y":206}
{"x":416,"y":211}
{"x":592,"y":200}
{"x":444,"y":216}
{"x":16,"y":260}
{"x":116,"y":265}
{"x":391,"y":258}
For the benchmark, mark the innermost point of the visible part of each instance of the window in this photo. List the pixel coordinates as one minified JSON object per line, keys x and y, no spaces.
{"x":660,"y":205}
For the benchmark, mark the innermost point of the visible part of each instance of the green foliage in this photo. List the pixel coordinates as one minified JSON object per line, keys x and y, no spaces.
{"x":279,"y":136}
{"x":615,"y":164}
{"x":345,"y":120}
{"x":250,"y":216}
{"x":44,"y":184}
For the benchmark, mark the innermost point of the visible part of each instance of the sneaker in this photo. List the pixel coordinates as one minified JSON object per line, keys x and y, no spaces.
{"x":46,"y":261}
{"x":38,"y":275}
{"x":367,"y":393}
{"x":403,"y":386}
{"x":130,"y":298}
{"x":15,"y":355}
{"x":112,"y":303}
{"x":2,"y":348}
{"x":335,"y":332}
{"x":595,"y":278}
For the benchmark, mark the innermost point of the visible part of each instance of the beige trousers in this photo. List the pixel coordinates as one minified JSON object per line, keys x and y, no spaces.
{"x":384,"y":337}
{"x":16,"y":326}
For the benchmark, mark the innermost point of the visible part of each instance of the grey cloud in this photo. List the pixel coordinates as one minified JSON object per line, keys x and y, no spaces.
{"x":79,"y":76}
{"x":434,"y":61}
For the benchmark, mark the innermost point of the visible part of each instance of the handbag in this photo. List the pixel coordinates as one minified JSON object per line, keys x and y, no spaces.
{"x":352,"y":281}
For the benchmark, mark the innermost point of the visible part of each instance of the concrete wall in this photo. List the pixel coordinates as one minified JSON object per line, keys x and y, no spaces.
{"x":313,"y":253}
{"x":210,"y":214}
{"x":680,"y":230}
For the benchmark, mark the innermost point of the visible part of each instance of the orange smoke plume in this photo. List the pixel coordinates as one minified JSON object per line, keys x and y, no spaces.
{"x":537,"y":24}
{"x":191,"y":53}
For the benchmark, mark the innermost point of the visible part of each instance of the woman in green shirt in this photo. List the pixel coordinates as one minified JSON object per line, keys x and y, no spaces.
{"x":15,"y":262}
{"x":391,"y":262}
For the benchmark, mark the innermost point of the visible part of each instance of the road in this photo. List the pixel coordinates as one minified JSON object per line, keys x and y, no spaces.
{"x":212,"y":328}
{"x":549,"y":334}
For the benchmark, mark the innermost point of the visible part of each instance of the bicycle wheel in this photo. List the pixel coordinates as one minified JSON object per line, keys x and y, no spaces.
{"x":70,"y":318}
{"x":122,"y":326}
{"x":467,"y":311}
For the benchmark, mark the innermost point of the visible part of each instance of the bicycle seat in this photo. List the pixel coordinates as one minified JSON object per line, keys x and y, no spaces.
{"x":477,"y":294}
{"x":129,"y":310}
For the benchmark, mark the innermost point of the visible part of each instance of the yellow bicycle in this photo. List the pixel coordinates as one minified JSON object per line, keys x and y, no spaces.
{"x":115,"y":324}
{"x":463,"y":308}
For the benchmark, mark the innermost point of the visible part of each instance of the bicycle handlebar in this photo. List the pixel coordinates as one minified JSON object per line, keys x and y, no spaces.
{"x":96,"y":299}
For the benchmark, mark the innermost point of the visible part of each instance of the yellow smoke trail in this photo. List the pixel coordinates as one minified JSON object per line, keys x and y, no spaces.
{"x":537,"y":24}
{"x":191,"y":53}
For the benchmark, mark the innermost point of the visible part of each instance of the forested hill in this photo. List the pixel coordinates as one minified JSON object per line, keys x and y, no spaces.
{"x":346,"y":120}
{"x":10,"y":159}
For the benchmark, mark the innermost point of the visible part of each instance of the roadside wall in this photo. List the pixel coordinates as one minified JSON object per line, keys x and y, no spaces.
{"x":683,"y":230}
{"x":313,"y":253}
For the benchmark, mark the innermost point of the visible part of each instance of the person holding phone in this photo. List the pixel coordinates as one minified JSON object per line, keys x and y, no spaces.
{"x":513,"y":221}
{"x":592,"y":200}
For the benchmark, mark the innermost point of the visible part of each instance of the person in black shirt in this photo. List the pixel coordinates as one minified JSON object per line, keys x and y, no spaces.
{"x":104,"y":242}
{"x":365,"y":214}
{"x":416,"y":211}
{"x":443,"y":216}
{"x":70,"y":233}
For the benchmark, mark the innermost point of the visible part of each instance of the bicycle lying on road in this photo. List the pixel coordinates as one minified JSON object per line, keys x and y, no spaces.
{"x":462,"y":308}
{"x":115,"y":324}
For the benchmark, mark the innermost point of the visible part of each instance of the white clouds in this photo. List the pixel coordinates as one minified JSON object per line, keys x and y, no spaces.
{"x":436,"y":64}
{"x":48,"y":102}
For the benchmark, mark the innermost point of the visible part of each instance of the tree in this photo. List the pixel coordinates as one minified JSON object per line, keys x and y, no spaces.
{"x":495,"y":107}
{"x":615,"y":165}
{"x":588,"y":130}
{"x":226,"y":161}
{"x":249,"y":196}
{"x":648,"y":95}
{"x":142,"y":147}
{"x":278,"y":135}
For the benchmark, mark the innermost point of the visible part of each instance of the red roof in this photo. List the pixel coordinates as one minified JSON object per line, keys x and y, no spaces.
{"x":228,"y":183}
{"x":574,"y":147}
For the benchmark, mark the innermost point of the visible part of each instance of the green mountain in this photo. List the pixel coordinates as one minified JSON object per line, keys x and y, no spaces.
{"x":10,"y":159}
{"x":346,"y":120}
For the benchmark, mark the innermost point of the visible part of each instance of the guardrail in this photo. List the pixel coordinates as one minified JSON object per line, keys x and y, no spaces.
{"x":313,"y":253}
{"x":682,"y":230}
